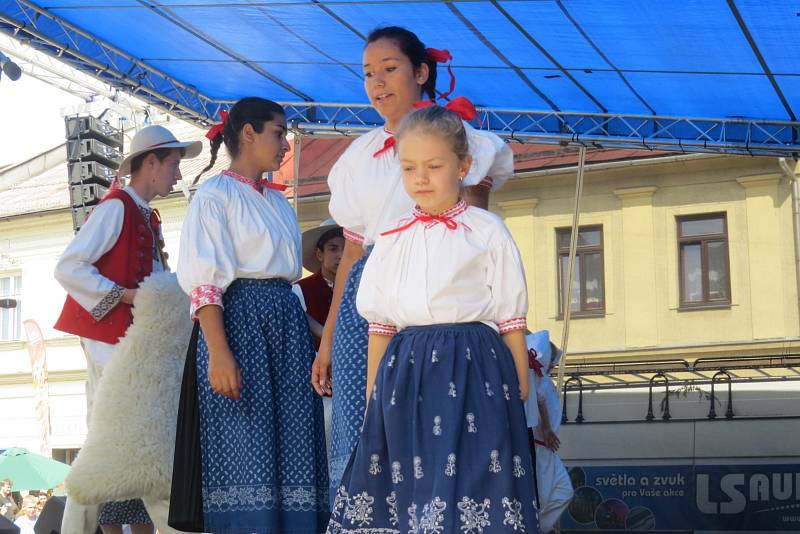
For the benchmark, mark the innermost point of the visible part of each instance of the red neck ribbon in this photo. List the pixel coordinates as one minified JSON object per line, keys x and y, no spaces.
{"x":388,"y":144}
{"x":444,"y":219}
{"x":534,"y":364}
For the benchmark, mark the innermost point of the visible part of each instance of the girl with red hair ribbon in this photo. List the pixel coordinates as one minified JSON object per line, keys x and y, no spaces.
{"x":367,"y":197}
{"x":444,"y":445}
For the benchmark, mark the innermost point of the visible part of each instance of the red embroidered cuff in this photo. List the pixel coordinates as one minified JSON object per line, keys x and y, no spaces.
{"x":382,"y":329}
{"x":517,"y":323}
{"x":358,"y":239}
{"x":205,"y":295}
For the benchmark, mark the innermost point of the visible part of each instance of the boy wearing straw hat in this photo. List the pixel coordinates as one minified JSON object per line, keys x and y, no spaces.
{"x":322,"y":252}
{"x":119,"y":246}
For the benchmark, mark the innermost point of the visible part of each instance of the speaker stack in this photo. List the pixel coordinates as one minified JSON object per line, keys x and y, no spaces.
{"x":94,"y":153}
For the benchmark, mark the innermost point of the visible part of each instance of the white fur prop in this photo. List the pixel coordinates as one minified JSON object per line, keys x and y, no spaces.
{"x":129,"y":448}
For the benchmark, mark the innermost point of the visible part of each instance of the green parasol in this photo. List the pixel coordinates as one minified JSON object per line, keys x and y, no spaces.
{"x":29,"y":471}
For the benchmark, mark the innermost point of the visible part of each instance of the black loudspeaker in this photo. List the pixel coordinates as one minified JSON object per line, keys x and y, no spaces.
{"x":93,"y":128}
{"x":94,"y":152}
{"x":7,"y":527}
{"x":91,"y":172}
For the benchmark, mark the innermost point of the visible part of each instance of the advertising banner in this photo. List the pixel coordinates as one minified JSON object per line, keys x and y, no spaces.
{"x":683,"y":497}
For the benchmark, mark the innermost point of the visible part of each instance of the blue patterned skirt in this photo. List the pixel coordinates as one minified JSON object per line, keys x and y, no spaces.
{"x":445,"y":445}
{"x":263,"y":457}
{"x":349,"y":361}
{"x":131,"y":512}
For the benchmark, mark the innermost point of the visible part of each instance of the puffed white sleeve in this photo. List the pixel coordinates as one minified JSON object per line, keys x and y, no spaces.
{"x":207,"y":260}
{"x":492,"y":159}
{"x":506,"y":277}
{"x":343,"y":205}
{"x":371,"y":301}
{"x":75,"y":270}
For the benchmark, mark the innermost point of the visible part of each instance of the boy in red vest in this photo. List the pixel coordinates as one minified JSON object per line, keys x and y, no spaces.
{"x":322,"y":252}
{"x":119,"y":246}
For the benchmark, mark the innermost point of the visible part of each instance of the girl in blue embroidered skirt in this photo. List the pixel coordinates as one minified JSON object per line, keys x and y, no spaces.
{"x":261,"y":425}
{"x":366,"y":195}
{"x":444,"y":446}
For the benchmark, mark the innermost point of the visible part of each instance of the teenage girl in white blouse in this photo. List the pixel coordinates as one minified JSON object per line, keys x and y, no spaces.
{"x":262,"y":438}
{"x":444,"y":447}
{"x":366,"y":196}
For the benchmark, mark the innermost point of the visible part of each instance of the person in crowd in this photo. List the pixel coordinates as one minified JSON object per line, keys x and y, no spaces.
{"x":8,"y":506}
{"x":261,"y":425}
{"x":30,"y":513}
{"x":553,"y":485}
{"x":367,"y":195}
{"x":115,"y":250}
{"x":444,"y":447}
{"x":322,"y":252}
{"x":41,"y":500}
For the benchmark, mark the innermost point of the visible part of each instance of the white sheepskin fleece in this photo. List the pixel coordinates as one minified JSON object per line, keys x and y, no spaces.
{"x":129,"y":448}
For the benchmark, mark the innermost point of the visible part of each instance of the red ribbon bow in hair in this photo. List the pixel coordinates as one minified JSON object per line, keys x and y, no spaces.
{"x":444,"y":219}
{"x":534,"y":364}
{"x":443,"y":56}
{"x":460,"y":105}
{"x":217,"y":128}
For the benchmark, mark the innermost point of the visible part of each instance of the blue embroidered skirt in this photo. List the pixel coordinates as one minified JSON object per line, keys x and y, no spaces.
{"x":349,"y":361}
{"x":263,"y":457}
{"x":444,"y":447}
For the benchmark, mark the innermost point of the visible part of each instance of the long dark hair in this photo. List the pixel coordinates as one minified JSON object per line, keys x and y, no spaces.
{"x":411,"y":46}
{"x":250,"y":110}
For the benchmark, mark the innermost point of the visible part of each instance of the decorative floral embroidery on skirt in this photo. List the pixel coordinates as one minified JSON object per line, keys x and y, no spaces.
{"x":431,"y":460}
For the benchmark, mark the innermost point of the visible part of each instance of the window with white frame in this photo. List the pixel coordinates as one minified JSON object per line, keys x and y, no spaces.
{"x":11,"y":318}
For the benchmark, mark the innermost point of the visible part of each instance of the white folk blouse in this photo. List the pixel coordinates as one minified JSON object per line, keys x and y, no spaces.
{"x":75,"y":270}
{"x":459,"y":267}
{"x":236,"y":228}
{"x":367,"y":193}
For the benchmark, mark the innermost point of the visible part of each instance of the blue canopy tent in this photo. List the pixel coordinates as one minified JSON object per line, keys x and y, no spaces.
{"x":689,"y":75}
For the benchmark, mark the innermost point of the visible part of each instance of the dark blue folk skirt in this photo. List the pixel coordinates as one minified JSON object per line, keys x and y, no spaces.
{"x":349,"y":361}
{"x":444,"y":447}
{"x":264,"y":468}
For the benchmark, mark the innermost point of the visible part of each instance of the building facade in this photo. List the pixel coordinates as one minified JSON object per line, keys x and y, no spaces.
{"x":678,"y":256}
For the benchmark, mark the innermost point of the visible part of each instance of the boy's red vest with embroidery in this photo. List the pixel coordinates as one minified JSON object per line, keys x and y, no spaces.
{"x":128,"y":262}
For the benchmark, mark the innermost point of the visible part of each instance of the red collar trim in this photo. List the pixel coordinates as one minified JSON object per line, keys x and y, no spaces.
{"x":257,"y":185}
{"x":459,"y":208}
{"x":242,"y":179}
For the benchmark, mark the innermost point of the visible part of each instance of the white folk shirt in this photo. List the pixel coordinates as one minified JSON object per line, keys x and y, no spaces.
{"x":544,"y":385}
{"x":232,"y":230}
{"x":546,"y":393}
{"x":436,"y":273}
{"x":367,"y":193}
{"x":76,"y":273}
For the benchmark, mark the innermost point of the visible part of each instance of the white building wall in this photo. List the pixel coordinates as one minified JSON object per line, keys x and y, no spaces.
{"x":31,"y":246}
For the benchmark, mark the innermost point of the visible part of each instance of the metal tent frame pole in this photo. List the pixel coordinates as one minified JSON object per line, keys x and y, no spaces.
{"x":296,"y":154}
{"x":566,"y":283}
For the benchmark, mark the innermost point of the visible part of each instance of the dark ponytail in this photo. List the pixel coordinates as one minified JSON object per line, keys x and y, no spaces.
{"x":411,"y":46}
{"x":250,"y":110}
